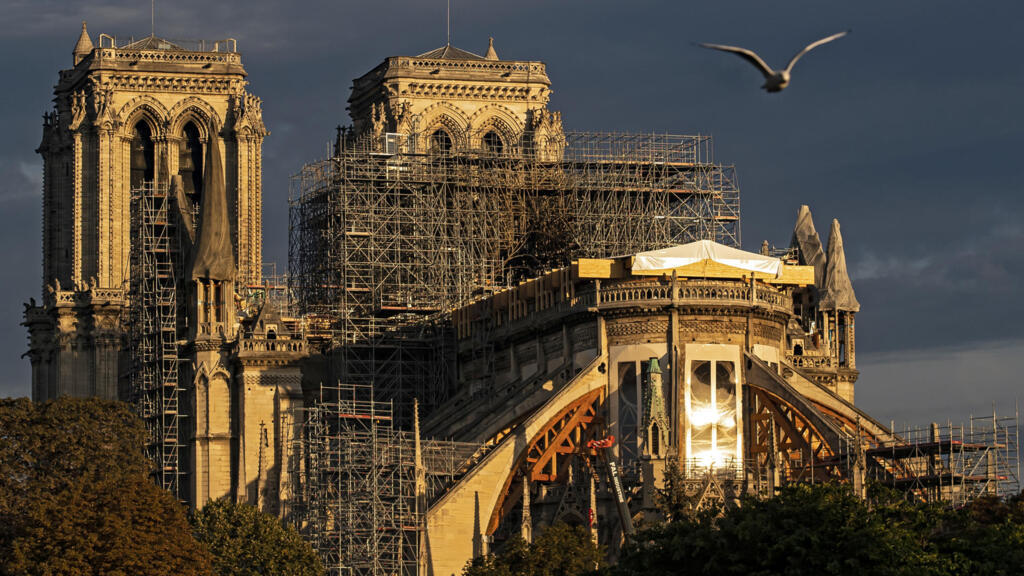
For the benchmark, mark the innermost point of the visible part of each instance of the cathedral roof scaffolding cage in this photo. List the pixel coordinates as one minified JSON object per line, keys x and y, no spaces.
{"x":390,"y":230}
{"x":389,"y":234}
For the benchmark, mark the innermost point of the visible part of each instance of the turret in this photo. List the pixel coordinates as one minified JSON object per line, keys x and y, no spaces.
{"x":491,"y":53}
{"x":83,"y":47}
{"x":838,"y":306}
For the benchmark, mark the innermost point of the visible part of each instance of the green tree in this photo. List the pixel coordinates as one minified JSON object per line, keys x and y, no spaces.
{"x":75,"y":498}
{"x":675,"y":503}
{"x":247,"y":542}
{"x":805,"y":529}
{"x":561,"y":550}
{"x":985,"y":537}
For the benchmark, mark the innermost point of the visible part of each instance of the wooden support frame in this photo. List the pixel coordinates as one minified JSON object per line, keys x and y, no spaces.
{"x":550,"y":451}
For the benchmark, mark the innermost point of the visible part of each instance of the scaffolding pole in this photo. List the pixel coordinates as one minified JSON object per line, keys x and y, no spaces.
{"x":951,"y":463}
{"x":153,"y":318}
{"x":363,"y":507}
{"x":382,"y":236}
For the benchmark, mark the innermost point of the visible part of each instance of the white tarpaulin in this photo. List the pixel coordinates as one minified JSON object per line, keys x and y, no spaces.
{"x":686,"y":254}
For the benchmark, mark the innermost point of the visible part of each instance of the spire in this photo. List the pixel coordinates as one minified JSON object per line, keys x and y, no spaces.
{"x":213,"y":256}
{"x":655,"y":420}
{"x":806,"y":239}
{"x":491,"y":54}
{"x":84,"y":46}
{"x":838,"y":290}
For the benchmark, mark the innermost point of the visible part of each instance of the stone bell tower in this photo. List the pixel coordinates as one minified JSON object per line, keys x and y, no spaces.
{"x":450,"y":100}
{"x":128,"y":115}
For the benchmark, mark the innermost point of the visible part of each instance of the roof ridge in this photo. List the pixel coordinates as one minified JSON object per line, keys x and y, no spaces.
{"x":449,"y":52}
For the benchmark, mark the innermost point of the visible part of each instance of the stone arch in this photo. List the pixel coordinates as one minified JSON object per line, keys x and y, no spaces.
{"x":493,"y":142}
{"x":191,"y":152}
{"x":145,"y":108}
{"x":441,"y":140}
{"x":196,"y":110}
{"x":201,"y":115}
{"x":206,"y":371}
{"x":478,"y":501}
{"x":499,"y":119}
{"x":213,"y":427}
{"x":142,"y":154}
{"x":442,"y":115}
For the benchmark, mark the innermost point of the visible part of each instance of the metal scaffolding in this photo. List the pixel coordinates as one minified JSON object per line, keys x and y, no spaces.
{"x":381,"y":236}
{"x":368,"y":484}
{"x":952,"y":463}
{"x":364,"y":518}
{"x":153,"y":320}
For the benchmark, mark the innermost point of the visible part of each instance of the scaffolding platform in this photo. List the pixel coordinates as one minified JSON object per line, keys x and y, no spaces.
{"x":384,"y":240}
{"x":951,"y":463}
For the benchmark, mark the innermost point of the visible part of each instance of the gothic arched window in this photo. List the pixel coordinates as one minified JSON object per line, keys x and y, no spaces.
{"x":190,"y":162}
{"x":493,"y":144}
{"x":141,"y":159}
{"x":440,"y":142}
{"x":654,"y":440}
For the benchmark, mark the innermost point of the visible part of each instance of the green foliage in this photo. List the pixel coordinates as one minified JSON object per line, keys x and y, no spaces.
{"x":75,"y":498}
{"x":986,"y":537}
{"x":245,"y":542}
{"x":824,"y":529}
{"x":673,"y":501}
{"x":560,"y":550}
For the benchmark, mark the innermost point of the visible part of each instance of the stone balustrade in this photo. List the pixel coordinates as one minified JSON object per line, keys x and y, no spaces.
{"x":817,"y":362}
{"x":271,"y":345}
{"x":484,"y":65}
{"x":691,"y":292}
{"x":612,"y":294}
{"x":85,"y":297}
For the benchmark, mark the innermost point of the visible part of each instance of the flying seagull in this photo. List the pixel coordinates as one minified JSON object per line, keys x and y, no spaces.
{"x":775,"y":81}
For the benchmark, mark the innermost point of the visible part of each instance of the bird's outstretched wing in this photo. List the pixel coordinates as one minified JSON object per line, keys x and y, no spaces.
{"x":747,"y":55}
{"x":812,"y":46}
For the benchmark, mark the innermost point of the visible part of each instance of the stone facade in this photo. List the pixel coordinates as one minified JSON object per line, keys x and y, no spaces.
{"x":157,"y":95}
{"x":456,"y":100}
{"x":140,"y":114}
{"x":540,"y":369}
{"x":675,"y":366}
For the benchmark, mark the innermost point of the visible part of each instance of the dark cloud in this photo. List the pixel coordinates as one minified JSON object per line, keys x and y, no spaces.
{"x":942,"y":384}
{"x":908,"y":130}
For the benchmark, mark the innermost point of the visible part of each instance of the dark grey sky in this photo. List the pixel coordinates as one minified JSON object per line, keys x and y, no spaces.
{"x":909,"y":131}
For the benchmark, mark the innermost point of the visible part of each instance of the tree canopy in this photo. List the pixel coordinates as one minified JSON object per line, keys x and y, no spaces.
{"x":561,"y":550}
{"x":75,"y":498}
{"x":247,"y":542}
{"x":826,"y":530}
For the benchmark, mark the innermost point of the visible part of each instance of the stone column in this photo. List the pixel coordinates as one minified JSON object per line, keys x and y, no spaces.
{"x":851,"y":349}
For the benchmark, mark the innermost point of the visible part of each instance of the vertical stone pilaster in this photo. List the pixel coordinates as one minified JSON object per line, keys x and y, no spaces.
{"x":91,"y":192}
{"x":256,"y":198}
{"x":238,"y":174}
{"x":104,"y":193}
{"x":851,"y":341}
{"x":76,"y":211}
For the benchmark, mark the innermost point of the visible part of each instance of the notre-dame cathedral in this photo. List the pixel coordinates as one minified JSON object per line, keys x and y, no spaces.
{"x":152,"y":238}
{"x":564,"y":313}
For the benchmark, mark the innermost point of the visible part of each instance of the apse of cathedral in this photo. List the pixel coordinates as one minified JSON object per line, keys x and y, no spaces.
{"x":559,"y":316}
